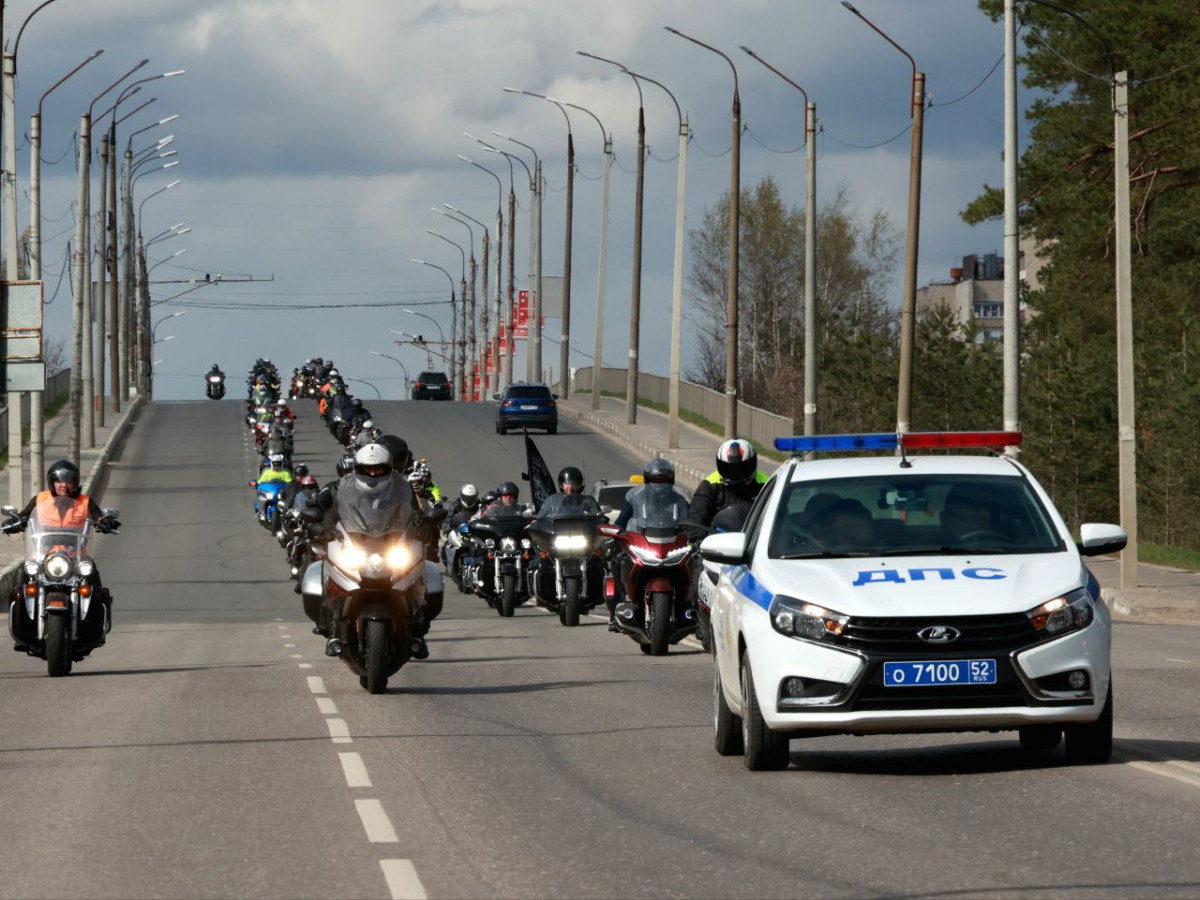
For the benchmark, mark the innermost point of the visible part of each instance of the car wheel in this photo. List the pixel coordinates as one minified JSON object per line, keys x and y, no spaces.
{"x":727,"y":728}
{"x":765,"y":750}
{"x":553,"y":429}
{"x":500,"y":429}
{"x":1092,"y":743}
{"x":1040,"y":737}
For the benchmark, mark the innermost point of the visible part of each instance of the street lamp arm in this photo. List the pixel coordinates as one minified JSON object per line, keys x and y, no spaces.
{"x":603,"y":133}
{"x":613,"y":62}
{"x":754,"y":55}
{"x":21,"y":31}
{"x":467,"y":216}
{"x":454,"y":244}
{"x":96,"y":119}
{"x":117,"y":121}
{"x":520,"y":144}
{"x":698,"y":43}
{"x":133,"y":134}
{"x":64,"y":78}
{"x":678,"y":111}
{"x":882,"y":34}
{"x":102,"y":94}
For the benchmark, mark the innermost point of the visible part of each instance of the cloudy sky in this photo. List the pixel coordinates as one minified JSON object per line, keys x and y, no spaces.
{"x":314,"y":136}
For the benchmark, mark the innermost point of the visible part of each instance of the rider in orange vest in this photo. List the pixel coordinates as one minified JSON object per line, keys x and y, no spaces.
{"x":62,"y":503}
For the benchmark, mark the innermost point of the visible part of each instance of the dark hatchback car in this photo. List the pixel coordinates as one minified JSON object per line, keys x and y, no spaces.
{"x":525,"y":405}
{"x":432,"y":386}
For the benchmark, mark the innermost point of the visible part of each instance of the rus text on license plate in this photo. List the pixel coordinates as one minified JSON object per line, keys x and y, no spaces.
{"x":921,"y":674}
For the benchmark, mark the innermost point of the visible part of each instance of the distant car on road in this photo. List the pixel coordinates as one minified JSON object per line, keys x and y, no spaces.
{"x":526,"y":405}
{"x":432,"y":386}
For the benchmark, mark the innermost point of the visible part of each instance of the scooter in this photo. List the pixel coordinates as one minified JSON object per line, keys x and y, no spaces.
{"x":655,"y":567}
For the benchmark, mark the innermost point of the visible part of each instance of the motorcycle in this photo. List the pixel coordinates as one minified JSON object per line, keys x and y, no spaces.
{"x":498,"y":576}
{"x":569,"y":578}
{"x":369,"y":592}
{"x":709,"y":573}
{"x":60,"y":612}
{"x":655,"y":568}
{"x":214,"y":387}
{"x":266,"y":503}
{"x":338,"y":416}
{"x":453,"y":551}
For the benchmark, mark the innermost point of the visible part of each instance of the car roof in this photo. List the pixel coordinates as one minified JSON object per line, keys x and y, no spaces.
{"x":861,"y":466}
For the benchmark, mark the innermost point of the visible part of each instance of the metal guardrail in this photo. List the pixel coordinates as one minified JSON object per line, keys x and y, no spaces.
{"x":755,"y":424}
{"x":56,"y":386}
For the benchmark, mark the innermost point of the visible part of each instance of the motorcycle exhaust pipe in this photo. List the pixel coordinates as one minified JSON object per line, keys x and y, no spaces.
{"x":333,"y":647}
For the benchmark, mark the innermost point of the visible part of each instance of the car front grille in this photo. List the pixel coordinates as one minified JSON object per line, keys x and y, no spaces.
{"x":897,"y":637}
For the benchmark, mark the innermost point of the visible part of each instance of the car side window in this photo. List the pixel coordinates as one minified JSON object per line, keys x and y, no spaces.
{"x":754,"y":518}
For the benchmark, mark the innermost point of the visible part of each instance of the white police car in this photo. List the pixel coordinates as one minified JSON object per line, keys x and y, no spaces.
{"x":893,"y":594}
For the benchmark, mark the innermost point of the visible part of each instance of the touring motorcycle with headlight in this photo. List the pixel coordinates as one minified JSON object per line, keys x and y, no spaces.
{"x":59,"y":611}
{"x":502,"y":554}
{"x":569,"y":579}
{"x":214,"y":386}
{"x":369,"y":593}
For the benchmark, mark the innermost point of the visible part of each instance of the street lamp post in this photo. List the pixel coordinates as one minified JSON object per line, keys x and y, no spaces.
{"x":144,"y":369}
{"x":908,"y":309}
{"x":533,"y":359}
{"x":458,"y":325}
{"x":478,"y":354}
{"x":491,"y":333}
{"x":735,"y":190}
{"x":598,"y":348}
{"x":472,"y":343}
{"x":635,"y":300}
{"x":810,"y":250}
{"x":403,"y":368}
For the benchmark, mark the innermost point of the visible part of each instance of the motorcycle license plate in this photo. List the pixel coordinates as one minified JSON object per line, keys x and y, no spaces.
{"x":946,"y":672}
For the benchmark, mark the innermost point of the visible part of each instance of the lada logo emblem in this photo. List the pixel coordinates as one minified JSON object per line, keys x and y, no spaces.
{"x":939,"y":634}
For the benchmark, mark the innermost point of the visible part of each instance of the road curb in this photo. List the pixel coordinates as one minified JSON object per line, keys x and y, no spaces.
{"x":93,"y":485}
{"x":689,"y":476}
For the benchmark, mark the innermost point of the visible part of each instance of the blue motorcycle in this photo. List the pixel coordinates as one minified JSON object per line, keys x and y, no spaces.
{"x":266,"y":504}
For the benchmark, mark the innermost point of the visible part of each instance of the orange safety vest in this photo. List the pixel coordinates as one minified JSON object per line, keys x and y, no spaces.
{"x":61,"y":513}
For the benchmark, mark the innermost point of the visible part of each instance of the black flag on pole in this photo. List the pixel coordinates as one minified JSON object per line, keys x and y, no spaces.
{"x":541,"y":482}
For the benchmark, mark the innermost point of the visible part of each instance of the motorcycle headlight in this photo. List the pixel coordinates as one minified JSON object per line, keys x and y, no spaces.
{"x":86,"y":567}
{"x":58,"y":566}
{"x":1070,"y":612}
{"x":490,"y":543}
{"x":213,"y":379}
{"x":399,"y":557}
{"x":32,"y":567}
{"x":508,"y":544}
{"x":526,"y":543}
{"x":570,"y":543}
{"x":352,"y":557}
{"x":798,"y":618}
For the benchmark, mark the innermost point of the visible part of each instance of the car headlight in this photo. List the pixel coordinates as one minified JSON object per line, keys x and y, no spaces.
{"x":32,"y":567}
{"x":798,"y":618}
{"x":570,"y":543}
{"x":508,"y":544}
{"x":399,"y":557}
{"x":58,"y":566}
{"x":86,"y":567}
{"x":1070,"y":612}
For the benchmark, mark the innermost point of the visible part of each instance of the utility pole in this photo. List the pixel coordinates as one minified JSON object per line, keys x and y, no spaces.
{"x":101,"y":282}
{"x":564,"y":348}
{"x":908,"y":312}
{"x":810,"y":268}
{"x":36,"y":398}
{"x":1126,"y":428}
{"x":731,"y":312}
{"x":116,"y":343}
{"x":89,"y":365}
{"x":535,"y":309}
{"x":677,"y":292}
{"x":79,"y":385}
{"x":131,"y":353}
{"x":15,"y":459}
{"x":482,"y":349}
{"x":635,"y":301}
{"x":470,"y":332}
{"x":510,"y":340}
{"x":602,"y":269}
{"x":1012,"y":231}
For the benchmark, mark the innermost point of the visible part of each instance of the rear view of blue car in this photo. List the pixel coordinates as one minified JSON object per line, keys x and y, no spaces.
{"x":526,"y":405}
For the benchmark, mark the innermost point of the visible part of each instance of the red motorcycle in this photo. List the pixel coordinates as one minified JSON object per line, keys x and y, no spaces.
{"x":655,"y":568}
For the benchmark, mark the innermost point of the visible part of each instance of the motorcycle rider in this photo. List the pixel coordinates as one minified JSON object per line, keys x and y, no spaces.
{"x":282,"y":413}
{"x":571,"y":495}
{"x":507,"y":501}
{"x":420,"y":479}
{"x":462,"y":509}
{"x":215,"y":371}
{"x":367,"y":433}
{"x":275,"y":471}
{"x":737,"y":481}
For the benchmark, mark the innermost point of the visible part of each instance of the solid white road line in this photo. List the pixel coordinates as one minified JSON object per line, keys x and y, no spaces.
{"x":316,"y":684}
{"x":375,"y":822}
{"x":1169,"y":769}
{"x":402,"y":880}
{"x":326,"y":706}
{"x":355,"y":771}
{"x":339,"y":732}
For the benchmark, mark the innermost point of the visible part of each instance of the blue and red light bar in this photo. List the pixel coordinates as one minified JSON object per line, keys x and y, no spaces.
{"x":911,"y":440}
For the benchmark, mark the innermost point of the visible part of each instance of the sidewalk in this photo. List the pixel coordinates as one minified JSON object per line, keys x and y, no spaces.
{"x":1163,"y":596}
{"x":93,"y":464}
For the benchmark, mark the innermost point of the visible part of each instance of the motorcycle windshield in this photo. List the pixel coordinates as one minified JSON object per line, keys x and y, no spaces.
{"x":377,"y":514}
{"x":43,"y":537}
{"x":658,"y":511}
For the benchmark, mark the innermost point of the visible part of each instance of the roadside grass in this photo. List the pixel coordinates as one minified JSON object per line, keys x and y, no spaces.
{"x":1172,"y":557}
{"x":694,"y":419}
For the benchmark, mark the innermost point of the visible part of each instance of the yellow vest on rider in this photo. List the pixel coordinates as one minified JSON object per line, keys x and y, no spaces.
{"x":715,"y":478}
{"x":269,"y":475}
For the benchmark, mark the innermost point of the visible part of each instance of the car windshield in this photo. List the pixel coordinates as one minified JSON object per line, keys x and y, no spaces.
{"x":432,"y":378}
{"x":529,"y":393}
{"x":911,"y":515}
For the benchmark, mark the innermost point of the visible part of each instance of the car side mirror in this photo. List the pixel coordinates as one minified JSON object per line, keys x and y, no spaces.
{"x":495,"y":396}
{"x":554,"y":396}
{"x":1101,"y":540}
{"x":727,"y":549}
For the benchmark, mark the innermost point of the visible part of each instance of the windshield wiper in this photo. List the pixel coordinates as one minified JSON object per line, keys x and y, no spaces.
{"x":946,"y":551}
{"x":825,"y":554}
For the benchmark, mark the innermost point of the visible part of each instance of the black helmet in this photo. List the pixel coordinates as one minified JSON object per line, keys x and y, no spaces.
{"x":65,"y":472}
{"x":488,"y":498}
{"x":737,"y":460}
{"x":508,"y":489}
{"x":300,"y":470}
{"x":571,"y":475}
{"x":658,"y":471}
{"x":345,"y":465}
{"x":398,"y":448}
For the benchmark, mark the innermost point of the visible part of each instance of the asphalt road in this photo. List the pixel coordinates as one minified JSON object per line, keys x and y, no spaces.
{"x":211,"y":750}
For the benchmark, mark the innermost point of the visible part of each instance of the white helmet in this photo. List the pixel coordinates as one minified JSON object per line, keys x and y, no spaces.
{"x":372,"y":468}
{"x":469,"y":495}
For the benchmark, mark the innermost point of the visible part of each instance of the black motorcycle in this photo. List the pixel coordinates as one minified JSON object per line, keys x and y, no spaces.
{"x":501,"y":558}
{"x":569,"y":577}
{"x":214,"y":385}
{"x":338,"y":416}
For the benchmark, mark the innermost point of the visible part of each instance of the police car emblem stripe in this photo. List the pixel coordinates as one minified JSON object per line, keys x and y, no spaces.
{"x":751,"y":588}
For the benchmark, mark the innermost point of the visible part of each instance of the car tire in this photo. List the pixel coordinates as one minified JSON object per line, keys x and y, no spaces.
{"x":500,"y":429}
{"x":765,"y":750}
{"x":727,"y":728}
{"x":1040,"y":737}
{"x":1092,"y":743}
{"x":553,"y":429}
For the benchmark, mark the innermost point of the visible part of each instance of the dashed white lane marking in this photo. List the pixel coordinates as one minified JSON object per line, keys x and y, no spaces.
{"x":339,"y":732}
{"x":1179,"y":660}
{"x":288,"y":646}
{"x":305,"y":665}
{"x":316,"y":684}
{"x":376,"y":822}
{"x":402,"y":880}
{"x":297,"y":656}
{"x":281,"y":626}
{"x":326,"y":706}
{"x":355,"y":770}
{"x":286,"y":637}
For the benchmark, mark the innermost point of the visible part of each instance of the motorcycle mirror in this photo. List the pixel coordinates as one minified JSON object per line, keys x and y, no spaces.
{"x":524,"y":476}
{"x":605,"y":510}
{"x":609,"y":530}
{"x":252,"y":483}
{"x":111,"y":513}
{"x":8,"y":510}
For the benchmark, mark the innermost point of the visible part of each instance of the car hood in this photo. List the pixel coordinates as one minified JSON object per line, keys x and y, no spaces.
{"x":925,"y":586}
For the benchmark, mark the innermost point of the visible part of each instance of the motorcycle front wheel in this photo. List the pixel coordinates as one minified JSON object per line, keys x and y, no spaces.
{"x":376,"y":645}
{"x":660,"y":623}
{"x":508,"y":595}
{"x":58,"y":646}
{"x":572,"y":602}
